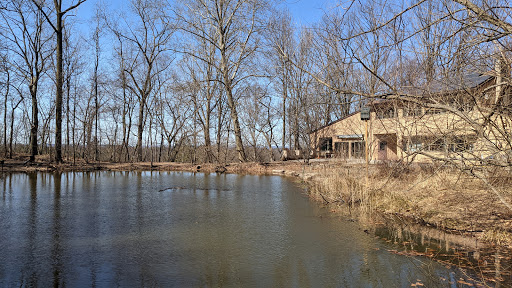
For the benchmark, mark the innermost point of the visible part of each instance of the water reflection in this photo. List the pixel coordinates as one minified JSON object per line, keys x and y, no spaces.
{"x":56,"y":234}
{"x":187,"y":230}
{"x":32,"y":178}
{"x":483,"y":263}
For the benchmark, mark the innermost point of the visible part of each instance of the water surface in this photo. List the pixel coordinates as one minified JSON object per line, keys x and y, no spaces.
{"x":167,"y":229}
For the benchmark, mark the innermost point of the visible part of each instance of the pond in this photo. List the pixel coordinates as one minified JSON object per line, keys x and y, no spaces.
{"x":175,"y":229}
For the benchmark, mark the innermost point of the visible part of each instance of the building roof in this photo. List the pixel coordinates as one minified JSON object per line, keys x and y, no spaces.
{"x":445,"y":85}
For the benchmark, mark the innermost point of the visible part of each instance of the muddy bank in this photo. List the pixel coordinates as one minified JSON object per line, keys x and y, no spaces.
{"x":22,"y":165}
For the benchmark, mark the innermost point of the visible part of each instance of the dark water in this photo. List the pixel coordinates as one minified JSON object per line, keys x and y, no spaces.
{"x":133,"y":229}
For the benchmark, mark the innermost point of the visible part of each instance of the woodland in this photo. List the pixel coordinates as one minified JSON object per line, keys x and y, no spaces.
{"x":224,"y":81}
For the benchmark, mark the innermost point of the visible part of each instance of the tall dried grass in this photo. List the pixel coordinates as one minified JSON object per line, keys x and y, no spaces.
{"x":341,"y":186}
{"x":441,"y":196}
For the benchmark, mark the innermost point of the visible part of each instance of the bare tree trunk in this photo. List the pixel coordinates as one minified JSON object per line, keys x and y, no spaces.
{"x":207,"y":139}
{"x":73,"y":128}
{"x":284,"y":115}
{"x":140,"y":129}
{"x":124,"y":145}
{"x":234,"y":118}
{"x":161,"y":147}
{"x":5,"y":113}
{"x":11,"y":133}
{"x":35,"y":123}
{"x":68,"y":92}
{"x":59,"y":81}
{"x":96,"y":105}
{"x":219,"y":129}
{"x":227,"y":144}
{"x":128,"y":131}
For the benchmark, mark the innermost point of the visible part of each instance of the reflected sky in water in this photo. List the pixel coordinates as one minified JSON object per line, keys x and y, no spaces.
{"x":134,"y":229}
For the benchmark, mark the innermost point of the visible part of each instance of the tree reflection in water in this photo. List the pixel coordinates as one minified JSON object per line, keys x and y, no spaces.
{"x":131,"y":229}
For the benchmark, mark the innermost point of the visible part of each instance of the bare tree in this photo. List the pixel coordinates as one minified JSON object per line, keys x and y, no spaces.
{"x":269,"y":123}
{"x":73,"y":66}
{"x":97,"y":50}
{"x":149,"y":38}
{"x":14,"y":105}
{"x":204,"y":81}
{"x":126,"y":99}
{"x":334,"y":63}
{"x":58,"y":27}
{"x":232,"y":27}
{"x":6,"y":87}
{"x":174,"y":113}
{"x":281,"y":40}
{"x":29,"y":43}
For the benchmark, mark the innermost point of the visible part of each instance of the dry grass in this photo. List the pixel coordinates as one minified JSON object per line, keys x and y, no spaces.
{"x":441,"y":197}
{"x":340,"y":186}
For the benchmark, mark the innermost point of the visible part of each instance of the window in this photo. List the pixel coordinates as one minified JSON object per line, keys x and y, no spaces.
{"x":433,"y":111}
{"x":461,"y":144}
{"x":415,"y":144}
{"x":435,"y":145}
{"x":325,"y":144}
{"x":357,"y":149}
{"x":383,"y":145}
{"x":413,"y":147}
{"x":341,"y":149}
{"x":452,"y":144}
{"x":384,"y":113}
{"x":413,"y":112}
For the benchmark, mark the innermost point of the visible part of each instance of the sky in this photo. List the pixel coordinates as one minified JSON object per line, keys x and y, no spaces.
{"x":304,"y":12}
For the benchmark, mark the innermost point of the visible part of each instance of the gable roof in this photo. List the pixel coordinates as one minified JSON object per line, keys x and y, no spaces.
{"x":469,"y":81}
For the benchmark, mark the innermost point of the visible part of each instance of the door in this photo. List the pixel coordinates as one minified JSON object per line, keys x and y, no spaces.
{"x":383,"y":150}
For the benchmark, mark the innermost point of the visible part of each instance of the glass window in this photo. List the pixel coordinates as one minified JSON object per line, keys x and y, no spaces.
{"x":461,"y":144}
{"x":325,"y":144}
{"x":436,"y":145}
{"x":413,"y":112}
{"x":341,"y":149}
{"x":357,"y":149}
{"x":415,"y":144}
{"x":433,"y":111}
{"x":442,"y":144}
{"x":384,"y":113}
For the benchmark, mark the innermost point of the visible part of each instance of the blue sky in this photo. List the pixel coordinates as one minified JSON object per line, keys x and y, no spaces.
{"x":305,"y":12}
